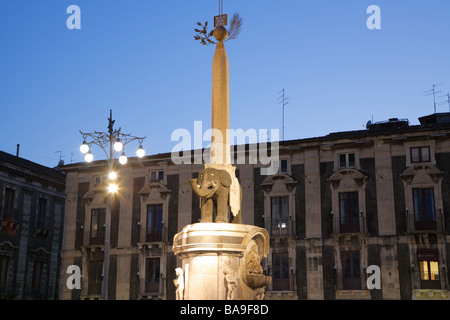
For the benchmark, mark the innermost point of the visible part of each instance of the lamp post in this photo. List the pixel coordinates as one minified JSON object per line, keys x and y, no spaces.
{"x":112,"y":143}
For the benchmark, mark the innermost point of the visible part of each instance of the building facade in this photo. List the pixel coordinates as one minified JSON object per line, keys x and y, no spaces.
{"x":32,"y":200}
{"x":341,"y":208}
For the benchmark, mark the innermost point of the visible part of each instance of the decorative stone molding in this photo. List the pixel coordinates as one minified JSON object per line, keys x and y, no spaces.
{"x":353,"y":295}
{"x":92,"y":194}
{"x":430,"y":294}
{"x":286,"y":179}
{"x":336,"y":178}
{"x":154,"y":187}
{"x":410,"y":172}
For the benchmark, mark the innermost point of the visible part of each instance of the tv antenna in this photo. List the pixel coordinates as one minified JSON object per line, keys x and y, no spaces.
{"x":445,"y":102}
{"x":60,"y":157}
{"x":433,"y":92}
{"x":283,"y":100}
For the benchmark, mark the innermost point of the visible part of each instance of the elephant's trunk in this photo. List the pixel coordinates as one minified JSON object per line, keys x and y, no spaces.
{"x":202,"y":191}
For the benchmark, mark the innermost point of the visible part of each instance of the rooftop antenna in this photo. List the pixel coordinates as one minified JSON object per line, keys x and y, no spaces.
{"x":283,"y":100}
{"x":433,"y":92}
{"x":60,"y":157}
{"x":445,"y":102}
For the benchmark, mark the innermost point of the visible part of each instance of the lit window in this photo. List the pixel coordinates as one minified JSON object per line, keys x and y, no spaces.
{"x":428,"y":261}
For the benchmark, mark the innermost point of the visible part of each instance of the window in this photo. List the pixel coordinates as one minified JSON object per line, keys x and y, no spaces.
{"x":424,"y":214}
{"x":280,"y":216}
{"x":37,"y":275}
{"x":152,"y":275}
{"x":154,"y":222}
{"x":156,"y":175}
{"x":420,"y":154}
{"x":428,"y":261}
{"x":41,"y":213}
{"x":351,"y":279}
{"x":98,"y":180}
{"x":95,"y":277}
{"x":349,"y":212}
{"x":280,"y":274}
{"x":283,"y":166}
{"x":4,"y":263}
{"x":9,"y":200}
{"x":97,"y":222}
{"x":347,"y":160}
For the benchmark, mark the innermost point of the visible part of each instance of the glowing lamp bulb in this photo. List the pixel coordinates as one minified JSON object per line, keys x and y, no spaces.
{"x":140,"y":152}
{"x":123,"y":158}
{"x":112,"y":175}
{"x":88,"y":157}
{"x":113,"y":188}
{"x":84,"y":148}
{"x":118,"y":146}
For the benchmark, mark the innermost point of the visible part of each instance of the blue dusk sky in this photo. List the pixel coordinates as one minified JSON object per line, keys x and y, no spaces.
{"x":139,"y":58}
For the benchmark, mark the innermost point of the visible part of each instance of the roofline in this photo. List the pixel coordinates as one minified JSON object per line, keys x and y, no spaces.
{"x":344,"y":136}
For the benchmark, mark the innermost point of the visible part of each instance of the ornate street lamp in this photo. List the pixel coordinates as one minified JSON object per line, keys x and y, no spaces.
{"x":112,"y":143}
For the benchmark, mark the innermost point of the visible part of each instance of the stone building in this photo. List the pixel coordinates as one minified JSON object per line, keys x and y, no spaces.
{"x":341,"y":208}
{"x":32,"y":200}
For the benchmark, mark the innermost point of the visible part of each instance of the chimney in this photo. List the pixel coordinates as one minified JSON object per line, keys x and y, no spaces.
{"x":17,"y":152}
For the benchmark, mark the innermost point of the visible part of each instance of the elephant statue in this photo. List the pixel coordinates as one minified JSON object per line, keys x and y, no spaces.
{"x":213,"y":188}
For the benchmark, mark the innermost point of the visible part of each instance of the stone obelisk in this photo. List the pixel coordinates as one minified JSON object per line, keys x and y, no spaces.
{"x":220,"y":118}
{"x":220,"y":111}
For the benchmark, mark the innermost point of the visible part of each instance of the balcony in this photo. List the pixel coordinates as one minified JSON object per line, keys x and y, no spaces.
{"x":284,"y":228}
{"x":99,"y":239}
{"x":154,"y":234}
{"x":359,"y":227}
{"x":425,"y":225}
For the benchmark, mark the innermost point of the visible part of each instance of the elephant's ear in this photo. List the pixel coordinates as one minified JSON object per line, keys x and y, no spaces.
{"x":225,"y":178}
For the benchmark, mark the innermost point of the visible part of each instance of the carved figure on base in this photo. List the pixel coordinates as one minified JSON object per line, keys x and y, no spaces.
{"x":179,"y":284}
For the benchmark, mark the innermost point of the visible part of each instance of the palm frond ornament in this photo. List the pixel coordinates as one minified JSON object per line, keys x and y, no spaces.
{"x":220,"y":33}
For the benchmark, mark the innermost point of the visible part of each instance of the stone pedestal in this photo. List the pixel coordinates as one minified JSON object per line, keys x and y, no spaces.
{"x":222,"y":261}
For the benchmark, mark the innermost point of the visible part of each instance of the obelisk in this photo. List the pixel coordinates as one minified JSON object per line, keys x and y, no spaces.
{"x":220,"y":113}
{"x":220,"y":118}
